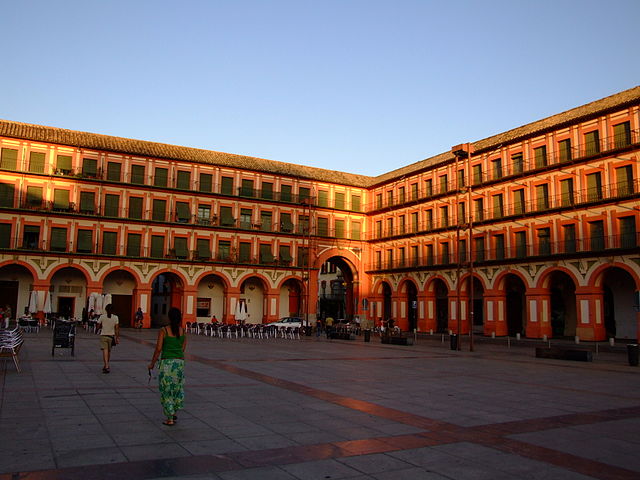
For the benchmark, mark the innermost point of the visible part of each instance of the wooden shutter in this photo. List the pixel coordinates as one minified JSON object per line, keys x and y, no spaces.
{"x":226,"y":187}
{"x":89,"y":167}
{"x":133,"y":244}
{"x":183,"y":182}
{"x":226,"y":217}
{"x":60,"y":199}
{"x":159,"y":210}
{"x":114,"y":171}
{"x":34,"y":197}
{"x":109,"y":243}
{"x":160,"y":177}
{"x":323,"y":198}
{"x":36,"y":162}
{"x":266,"y":256}
{"x":204,"y":250}
{"x":157,"y":246}
{"x":7,"y":192}
{"x":180,"y":246}
{"x":356,"y":205}
{"x":135,"y":207}
{"x":594,"y":187}
{"x":9,"y":158}
{"x":267,"y":190}
{"x":206,"y":182}
{"x":111,"y":205}
{"x":304,"y":194}
{"x":540,"y":156}
{"x":246,"y":190}
{"x":58,"y":239}
{"x":518,"y":201}
{"x":338,"y":200}
{"x":137,"y":174}
{"x":339,"y":228}
{"x":5,"y":235}
{"x":244,"y":252}
{"x":63,"y":163}
{"x":622,"y":134}
{"x":285,"y":193}
{"x":355,"y":230}
{"x":84,"y":241}
{"x":564,"y":150}
{"x":591,"y":143}
{"x":87,"y":202}
{"x":183,"y":214}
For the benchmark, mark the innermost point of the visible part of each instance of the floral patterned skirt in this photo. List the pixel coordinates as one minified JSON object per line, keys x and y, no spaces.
{"x":171,"y":385}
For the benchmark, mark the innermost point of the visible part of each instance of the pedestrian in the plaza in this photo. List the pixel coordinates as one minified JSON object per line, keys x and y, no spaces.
{"x":7,"y":315}
{"x":318,"y":326}
{"x":329,"y":326}
{"x":139,"y":317}
{"x":109,"y":326}
{"x":170,"y":347}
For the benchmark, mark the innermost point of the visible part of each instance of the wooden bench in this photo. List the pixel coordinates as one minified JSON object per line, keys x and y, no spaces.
{"x":10,"y":343}
{"x":565,"y":353}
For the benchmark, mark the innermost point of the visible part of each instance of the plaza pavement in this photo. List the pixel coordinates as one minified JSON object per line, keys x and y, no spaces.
{"x":319,"y":409}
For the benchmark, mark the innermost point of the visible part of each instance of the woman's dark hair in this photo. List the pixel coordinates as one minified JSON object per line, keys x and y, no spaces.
{"x":175,"y":321}
{"x":108,"y":309}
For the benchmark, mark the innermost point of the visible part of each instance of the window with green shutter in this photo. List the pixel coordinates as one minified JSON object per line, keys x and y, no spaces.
{"x":206,"y":183}
{"x":245,"y":217}
{"x":542,"y":196}
{"x":159,"y":210}
{"x":444,"y":183}
{"x":592,"y":142}
{"x":36,"y":162}
{"x":521,"y":244}
{"x":284,"y":254}
{"x":34,"y":197}
{"x":628,"y":232}
{"x":302,"y":256}
{"x":160,"y":177}
{"x":499,"y":246}
{"x":109,"y":243}
{"x":596,"y":235}
{"x":224,"y":250}
{"x":133,"y":244}
{"x":304,"y":194}
{"x":87,"y":202}
{"x":594,"y":187}
{"x":498,"y":206}
{"x":226,"y":217}
{"x":544,"y":241}
{"x":31,"y":237}
{"x":246,"y":190}
{"x":323,"y":198}
{"x":338,"y":200}
{"x":183,"y":213}
{"x":286,"y":225}
{"x":323,"y":227}
{"x":180,"y":247}
{"x":137,"y":174}
{"x":622,"y":134}
{"x":477,"y":174}
{"x":355,"y":231}
{"x":566,"y":192}
{"x":564,"y":150}
{"x":5,"y":235}
{"x":244,"y":252}
{"x":9,"y":158}
{"x":624,"y":180}
{"x":135,"y":207}
{"x":285,"y":193}
{"x":518,"y":201}
{"x":89,"y":167}
{"x":157,"y":246}
{"x":7,"y":192}
{"x":479,"y":249}
{"x":226,"y":186}
{"x":540,"y":156}
{"x":267,"y":190}
{"x":84,"y":241}
{"x":183,"y":180}
{"x":203,"y":248}
{"x":60,"y":199}
{"x":111,"y":205}
{"x":266,"y":256}
{"x":356,"y":205}
{"x":569,"y":234}
{"x":114,"y":171}
{"x":517,"y":163}
{"x":266,"y":221}
{"x":339,"y":228}
{"x":58,"y":242}
{"x":63,"y":164}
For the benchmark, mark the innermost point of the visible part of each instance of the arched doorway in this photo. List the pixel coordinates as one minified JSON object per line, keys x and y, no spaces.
{"x":211,"y":299}
{"x":336,"y":295}
{"x":386,"y":301}
{"x":252,"y":292}
{"x":562,"y":293}
{"x":291,"y":299}
{"x":478,"y":305}
{"x":166,"y":291}
{"x":412,"y":305}
{"x":618,"y":291}
{"x":69,"y":292}
{"x":442,"y":305}
{"x":15,"y":283}
{"x":121,"y":285}
{"x":515,"y":307}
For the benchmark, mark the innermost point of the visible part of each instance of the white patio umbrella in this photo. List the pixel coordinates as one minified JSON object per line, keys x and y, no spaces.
{"x":33,"y":302}
{"x":97,"y":308}
{"x":107,"y":300}
{"x":92,"y":301}
{"x":47,"y":303}
{"x":241,"y":311}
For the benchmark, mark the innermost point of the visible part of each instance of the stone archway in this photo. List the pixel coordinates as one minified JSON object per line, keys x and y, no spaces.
{"x":253,"y":293}
{"x":211,"y":299}
{"x":121,"y":285}
{"x":618,"y":292}
{"x":291,"y":299}
{"x":562,"y":295}
{"x":15,"y":285}
{"x":337,"y":294}
{"x":69,"y":292}
{"x":167,"y":290}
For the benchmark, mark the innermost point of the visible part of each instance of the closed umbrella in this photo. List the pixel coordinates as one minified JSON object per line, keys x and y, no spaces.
{"x":97,"y":308}
{"x":92,"y":301}
{"x":47,"y":303}
{"x":107,"y":300}
{"x":241,"y":311}
{"x":33,"y":302}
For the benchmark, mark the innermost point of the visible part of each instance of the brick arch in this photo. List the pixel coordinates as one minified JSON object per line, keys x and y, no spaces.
{"x":80,"y":268}
{"x":178,"y":274}
{"x":377,"y":286}
{"x":595,"y":277}
{"x":430,"y":283}
{"x":349,"y":258}
{"x":130,"y":270}
{"x":406,"y":280}
{"x":26,"y":265}
{"x":464,"y":282}
{"x":223,"y":278}
{"x":543,"y":280}
{"x":498,"y":283}
{"x":289,"y":277}
{"x":266,"y":284}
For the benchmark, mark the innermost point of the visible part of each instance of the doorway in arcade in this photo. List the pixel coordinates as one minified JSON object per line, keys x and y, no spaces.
{"x":336,"y":296}
{"x":166,"y":291}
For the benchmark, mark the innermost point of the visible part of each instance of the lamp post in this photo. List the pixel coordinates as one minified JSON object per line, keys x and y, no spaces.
{"x":464,"y":151}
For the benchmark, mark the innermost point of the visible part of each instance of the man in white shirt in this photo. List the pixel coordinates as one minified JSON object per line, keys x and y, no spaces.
{"x":109,"y":335}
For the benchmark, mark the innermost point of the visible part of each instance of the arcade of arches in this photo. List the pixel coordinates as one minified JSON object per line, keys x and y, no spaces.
{"x":555,"y":301}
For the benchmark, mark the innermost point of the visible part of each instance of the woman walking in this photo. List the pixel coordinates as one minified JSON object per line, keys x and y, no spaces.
{"x":170,"y":348}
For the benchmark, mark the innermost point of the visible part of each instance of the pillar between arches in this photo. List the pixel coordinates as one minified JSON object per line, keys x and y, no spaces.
{"x":231,"y":300}
{"x":456,"y":309}
{"x":142,"y":299}
{"x":495,"y":319}
{"x":270,"y":310}
{"x":189,"y":306}
{"x":590,"y":314}
{"x":399,"y":311}
{"x":538,"y":308}
{"x":42,"y":288}
{"x":426,"y":321}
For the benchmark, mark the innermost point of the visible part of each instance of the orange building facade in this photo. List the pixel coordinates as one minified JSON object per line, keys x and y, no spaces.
{"x":532,"y":232}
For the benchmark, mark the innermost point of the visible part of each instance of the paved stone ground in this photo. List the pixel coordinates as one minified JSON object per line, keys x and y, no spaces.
{"x":319,"y":409}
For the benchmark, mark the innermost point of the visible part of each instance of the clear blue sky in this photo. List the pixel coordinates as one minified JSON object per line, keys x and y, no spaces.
{"x":361,"y":86}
